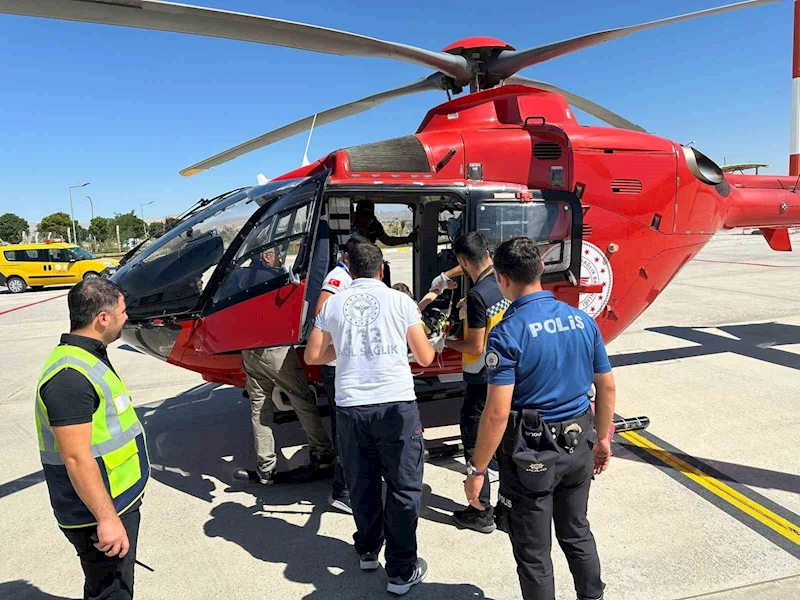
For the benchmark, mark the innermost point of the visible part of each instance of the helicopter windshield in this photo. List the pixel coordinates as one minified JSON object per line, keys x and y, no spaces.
{"x":170,"y":274}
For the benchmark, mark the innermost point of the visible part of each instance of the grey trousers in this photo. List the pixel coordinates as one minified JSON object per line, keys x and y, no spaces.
{"x":265,"y":368}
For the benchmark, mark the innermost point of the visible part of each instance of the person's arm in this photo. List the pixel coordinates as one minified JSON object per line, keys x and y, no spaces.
{"x":319,"y":350}
{"x":420,"y":347}
{"x":74,"y":443}
{"x":442,"y":281}
{"x":604,"y":402}
{"x":472,"y":345}
{"x":323,"y":296}
{"x":388,"y":240}
{"x":476,"y":317}
{"x":433,"y":294}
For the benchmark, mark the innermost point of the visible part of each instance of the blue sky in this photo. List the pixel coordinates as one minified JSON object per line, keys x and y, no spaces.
{"x":126,"y":109}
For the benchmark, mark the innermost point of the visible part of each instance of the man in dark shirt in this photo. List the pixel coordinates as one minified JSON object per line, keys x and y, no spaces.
{"x":485,"y":307}
{"x":92,"y":444}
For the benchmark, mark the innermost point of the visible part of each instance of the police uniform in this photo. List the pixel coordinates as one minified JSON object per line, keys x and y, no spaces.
{"x":78,"y":385}
{"x":485,"y":309}
{"x":550,"y":352}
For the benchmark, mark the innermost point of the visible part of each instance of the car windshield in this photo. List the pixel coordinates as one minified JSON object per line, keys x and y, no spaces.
{"x":172,"y":272}
{"x":82,"y":254}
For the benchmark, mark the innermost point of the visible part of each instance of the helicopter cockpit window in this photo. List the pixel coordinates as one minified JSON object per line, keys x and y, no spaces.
{"x":549,"y":224}
{"x":269,"y":252}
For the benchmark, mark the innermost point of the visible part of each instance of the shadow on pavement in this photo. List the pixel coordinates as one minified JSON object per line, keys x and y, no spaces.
{"x":20,"y":589}
{"x":327,"y":563}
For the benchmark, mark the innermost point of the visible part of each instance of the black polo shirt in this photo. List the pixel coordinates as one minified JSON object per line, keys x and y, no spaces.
{"x":69,"y":397}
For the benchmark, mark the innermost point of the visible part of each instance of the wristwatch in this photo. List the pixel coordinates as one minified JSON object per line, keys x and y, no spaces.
{"x":471,"y":470}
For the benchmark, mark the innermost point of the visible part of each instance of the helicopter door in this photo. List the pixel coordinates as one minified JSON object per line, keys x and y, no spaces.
{"x":552,"y":219}
{"x":260,"y":298}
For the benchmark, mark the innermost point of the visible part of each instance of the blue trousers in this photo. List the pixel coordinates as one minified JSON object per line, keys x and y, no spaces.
{"x":384,"y":441}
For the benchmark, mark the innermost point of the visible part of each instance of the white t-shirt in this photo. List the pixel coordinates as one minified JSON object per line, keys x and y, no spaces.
{"x":337,"y":280}
{"x":369,"y":323}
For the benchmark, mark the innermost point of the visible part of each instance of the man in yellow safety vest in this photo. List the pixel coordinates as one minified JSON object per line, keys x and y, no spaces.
{"x":91,"y":442}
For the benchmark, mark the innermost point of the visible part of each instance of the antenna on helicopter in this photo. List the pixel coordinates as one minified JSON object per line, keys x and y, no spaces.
{"x":305,"y":162}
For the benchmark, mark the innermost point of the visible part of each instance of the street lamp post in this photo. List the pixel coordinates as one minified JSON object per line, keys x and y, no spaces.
{"x":141,"y":207}
{"x":91,"y":205}
{"x":71,"y":214}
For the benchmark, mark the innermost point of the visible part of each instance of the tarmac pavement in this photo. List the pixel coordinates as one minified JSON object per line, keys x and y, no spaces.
{"x":704,"y":504}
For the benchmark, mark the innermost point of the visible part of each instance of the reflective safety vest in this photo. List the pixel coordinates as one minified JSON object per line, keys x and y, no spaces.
{"x":496,"y":305}
{"x":118,"y":441}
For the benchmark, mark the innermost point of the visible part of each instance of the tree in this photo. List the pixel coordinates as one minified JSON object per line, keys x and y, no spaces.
{"x":156,"y":228}
{"x":100,"y":228}
{"x":130,"y":226}
{"x":56,"y":224}
{"x":169,"y":223}
{"x":81,"y":232}
{"x":11,"y":228}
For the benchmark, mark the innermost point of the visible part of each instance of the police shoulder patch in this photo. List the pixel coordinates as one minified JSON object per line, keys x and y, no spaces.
{"x":492,"y":359}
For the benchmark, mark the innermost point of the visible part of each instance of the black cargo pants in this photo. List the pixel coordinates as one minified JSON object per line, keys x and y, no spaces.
{"x":328,"y":375}
{"x":106,"y":577}
{"x":540,"y":483}
{"x":384,"y":441}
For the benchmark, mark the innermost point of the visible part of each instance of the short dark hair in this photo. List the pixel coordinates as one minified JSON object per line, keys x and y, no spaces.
{"x":90,"y":297}
{"x":366,"y":206}
{"x":402,"y":287}
{"x":353,"y":241}
{"x":471,"y":246}
{"x":519,"y":260}
{"x":365,"y":260}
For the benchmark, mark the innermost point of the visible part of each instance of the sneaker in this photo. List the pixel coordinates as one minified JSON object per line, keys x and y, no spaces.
{"x":400,"y":585}
{"x":494,"y":476}
{"x":341,"y":503}
{"x":369,"y":560}
{"x":477,"y":520}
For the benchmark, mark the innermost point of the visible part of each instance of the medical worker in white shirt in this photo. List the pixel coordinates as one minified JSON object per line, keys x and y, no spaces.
{"x":367,"y":328}
{"x":337,"y":281}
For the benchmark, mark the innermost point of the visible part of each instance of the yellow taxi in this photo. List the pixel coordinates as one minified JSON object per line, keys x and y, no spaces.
{"x":58,"y":263}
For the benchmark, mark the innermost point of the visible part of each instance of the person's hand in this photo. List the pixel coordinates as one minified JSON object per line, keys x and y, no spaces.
{"x":462,"y":310}
{"x":472,"y":488}
{"x":440,"y":283}
{"x":437,"y":343}
{"x":602,"y":455}
{"x":112,"y":539}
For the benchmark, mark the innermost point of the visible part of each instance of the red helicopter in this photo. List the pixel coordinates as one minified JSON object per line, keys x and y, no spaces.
{"x":617,"y":211}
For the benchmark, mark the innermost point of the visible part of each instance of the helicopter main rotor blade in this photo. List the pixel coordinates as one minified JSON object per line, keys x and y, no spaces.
{"x":430,"y":83}
{"x":585,"y":105}
{"x":509,"y":62}
{"x":197,"y":20}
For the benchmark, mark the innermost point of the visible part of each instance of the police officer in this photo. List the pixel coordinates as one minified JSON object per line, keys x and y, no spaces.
{"x":91,"y":443}
{"x":541,"y":361}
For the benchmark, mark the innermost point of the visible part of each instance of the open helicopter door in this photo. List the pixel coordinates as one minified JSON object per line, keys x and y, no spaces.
{"x":551,"y":218}
{"x":259,"y":296}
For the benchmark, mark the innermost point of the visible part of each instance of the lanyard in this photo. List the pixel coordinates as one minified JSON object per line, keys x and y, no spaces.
{"x":344,"y":266}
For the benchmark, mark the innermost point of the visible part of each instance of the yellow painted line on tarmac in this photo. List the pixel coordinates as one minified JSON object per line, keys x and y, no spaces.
{"x":775,"y":522}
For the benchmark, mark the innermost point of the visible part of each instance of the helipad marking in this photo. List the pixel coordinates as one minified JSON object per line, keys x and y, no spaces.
{"x":31,"y":304}
{"x":785,"y":528}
